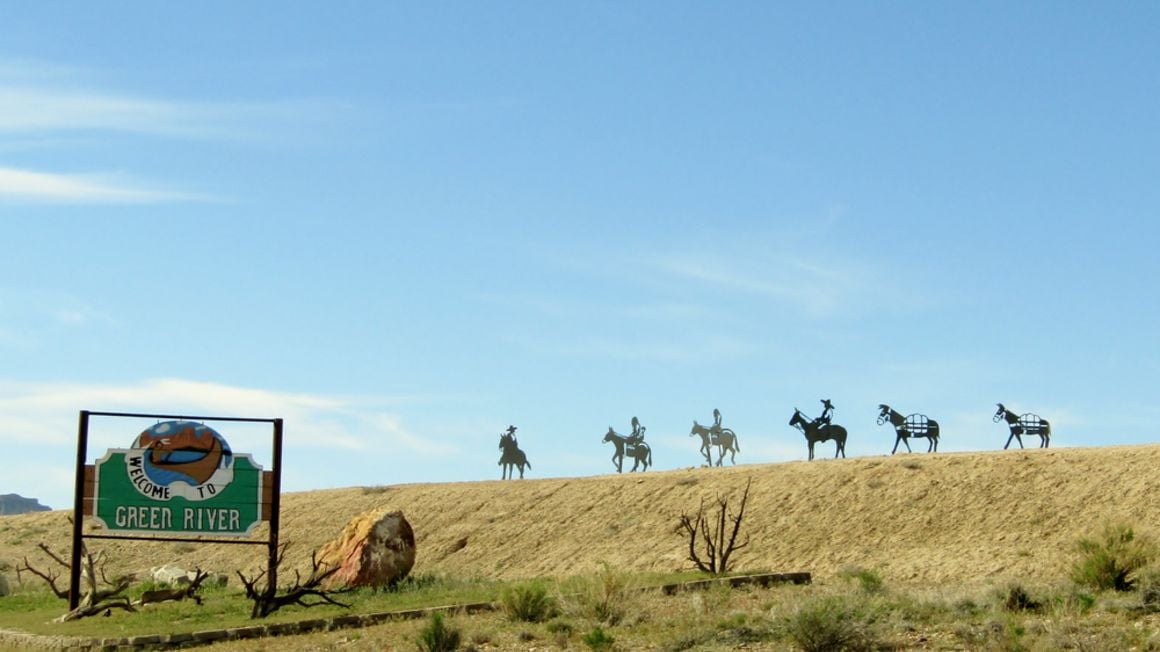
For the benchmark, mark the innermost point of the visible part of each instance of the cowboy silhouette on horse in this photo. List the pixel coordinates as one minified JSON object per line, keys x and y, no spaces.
{"x":510,"y":434}
{"x":827,"y":414}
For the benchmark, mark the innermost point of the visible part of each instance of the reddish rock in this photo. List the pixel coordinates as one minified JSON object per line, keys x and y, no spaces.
{"x":375,"y":549}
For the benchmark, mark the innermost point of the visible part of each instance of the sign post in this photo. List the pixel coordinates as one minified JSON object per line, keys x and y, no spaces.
{"x":179,"y":477}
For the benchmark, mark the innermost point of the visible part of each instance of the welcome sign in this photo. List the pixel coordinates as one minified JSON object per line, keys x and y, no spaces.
{"x":178,"y":477}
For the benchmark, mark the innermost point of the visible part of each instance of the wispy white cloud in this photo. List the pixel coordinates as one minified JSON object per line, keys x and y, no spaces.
{"x":41,"y":111}
{"x":540,"y":307}
{"x":16,"y":71}
{"x":820,"y":280}
{"x":393,"y":427}
{"x":690,"y":349}
{"x":30,"y":317}
{"x":46,"y":105}
{"x":32,"y":109}
{"x":812,"y":287}
{"x":45,"y":187}
{"x":38,"y":427}
{"x":676,"y":307}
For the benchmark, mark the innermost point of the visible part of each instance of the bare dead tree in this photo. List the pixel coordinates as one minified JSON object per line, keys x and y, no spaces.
{"x":102,"y":595}
{"x":268,"y":599}
{"x":179,"y":593}
{"x":48,"y":576}
{"x":713,"y":531}
{"x":99,"y":600}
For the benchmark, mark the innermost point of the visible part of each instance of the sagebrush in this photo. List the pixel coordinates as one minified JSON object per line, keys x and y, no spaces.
{"x":529,"y":602}
{"x":1112,"y":559}
{"x":436,"y":636}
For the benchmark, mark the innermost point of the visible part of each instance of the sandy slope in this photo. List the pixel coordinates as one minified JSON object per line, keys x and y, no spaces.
{"x":943,"y":518}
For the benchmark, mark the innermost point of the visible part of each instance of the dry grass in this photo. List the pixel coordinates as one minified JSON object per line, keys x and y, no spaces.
{"x":965,"y":520}
{"x":778,"y":618}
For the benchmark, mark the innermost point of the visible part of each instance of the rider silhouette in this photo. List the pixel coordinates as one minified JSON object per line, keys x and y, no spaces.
{"x":511,"y":432}
{"x":716,"y":419}
{"x":637,"y":435}
{"x":827,"y":414}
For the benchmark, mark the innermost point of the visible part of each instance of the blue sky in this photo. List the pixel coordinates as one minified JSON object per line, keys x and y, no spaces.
{"x":404,"y":226}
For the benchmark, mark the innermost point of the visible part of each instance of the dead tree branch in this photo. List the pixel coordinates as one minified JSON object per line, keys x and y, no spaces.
{"x":717,"y":549}
{"x":48,"y":576}
{"x":101,"y":596}
{"x":267,"y":599}
{"x":97,"y":599}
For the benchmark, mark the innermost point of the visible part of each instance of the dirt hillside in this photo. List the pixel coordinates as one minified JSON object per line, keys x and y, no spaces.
{"x":946,"y":518}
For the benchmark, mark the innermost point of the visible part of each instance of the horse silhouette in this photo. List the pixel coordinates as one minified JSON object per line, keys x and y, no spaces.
{"x":1024,"y":424}
{"x":723,"y":438}
{"x":512,"y":457}
{"x":816,"y":432}
{"x":637,"y":450}
{"x":915,"y":425}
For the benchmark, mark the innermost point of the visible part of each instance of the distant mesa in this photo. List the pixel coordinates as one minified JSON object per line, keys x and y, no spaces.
{"x":14,"y":504}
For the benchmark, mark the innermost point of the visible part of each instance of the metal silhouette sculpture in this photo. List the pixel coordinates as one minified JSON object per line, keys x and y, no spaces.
{"x":512,"y":455}
{"x":1024,"y":424}
{"x":820,"y":429}
{"x":637,"y":435}
{"x":913,"y":425}
{"x":715,"y":435}
{"x":632,"y":446}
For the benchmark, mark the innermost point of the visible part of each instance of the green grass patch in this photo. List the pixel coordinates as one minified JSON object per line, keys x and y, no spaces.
{"x":529,"y":602}
{"x":33,"y":611}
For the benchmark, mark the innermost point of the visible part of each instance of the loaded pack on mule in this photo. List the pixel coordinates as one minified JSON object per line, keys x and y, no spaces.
{"x":913,"y":425}
{"x":1023,"y":424}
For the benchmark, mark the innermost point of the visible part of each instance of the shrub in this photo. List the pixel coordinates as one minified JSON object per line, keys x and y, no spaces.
{"x":412,"y":583}
{"x":966,"y":607}
{"x":529,"y":603}
{"x":562,"y":630}
{"x":604,"y":598}
{"x":1112,"y":559}
{"x":869,"y":579}
{"x":598,"y":639}
{"x":560,"y":627}
{"x":1080,"y":602}
{"x":1018,"y":599}
{"x":1008,"y":636}
{"x":437,"y":637}
{"x":829,"y":624}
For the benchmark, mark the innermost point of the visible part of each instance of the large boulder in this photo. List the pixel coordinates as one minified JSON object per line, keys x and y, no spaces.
{"x":375,"y":549}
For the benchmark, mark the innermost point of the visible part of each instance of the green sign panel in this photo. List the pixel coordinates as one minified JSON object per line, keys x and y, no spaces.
{"x":178,"y":477}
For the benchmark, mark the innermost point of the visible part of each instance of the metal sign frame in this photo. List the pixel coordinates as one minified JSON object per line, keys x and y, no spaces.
{"x":84,"y":477}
